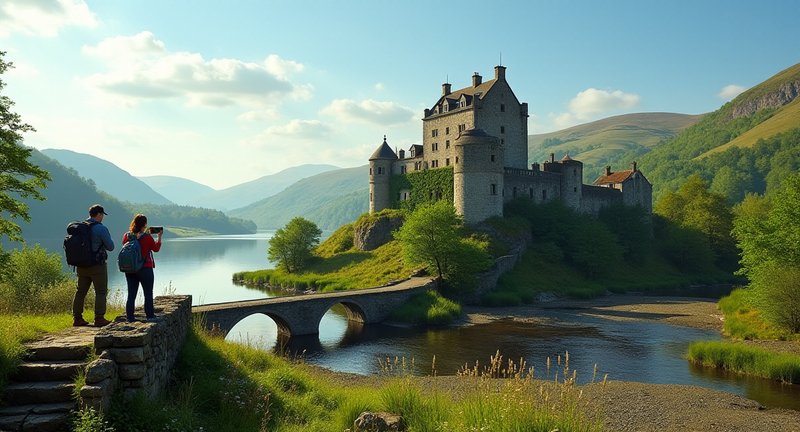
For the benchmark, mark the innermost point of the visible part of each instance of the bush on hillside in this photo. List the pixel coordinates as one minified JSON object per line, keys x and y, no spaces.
{"x":35,"y":282}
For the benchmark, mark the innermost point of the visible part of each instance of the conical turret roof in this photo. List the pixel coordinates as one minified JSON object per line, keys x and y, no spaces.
{"x":383,"y":152}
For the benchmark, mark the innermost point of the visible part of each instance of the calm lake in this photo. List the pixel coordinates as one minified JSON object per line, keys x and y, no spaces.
{"x":625,"y":350}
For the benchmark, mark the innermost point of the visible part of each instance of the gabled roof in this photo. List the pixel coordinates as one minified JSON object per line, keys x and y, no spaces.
{"x":617,"y":177}
{"x":481,"y":88}
{"x":383,"y":152}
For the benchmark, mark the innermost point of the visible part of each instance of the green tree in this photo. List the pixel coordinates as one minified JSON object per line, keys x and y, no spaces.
{"x":768,"y":233}
{"x":291,"y":245}
{"x":433,"y":235}
{"x":18,"y":177}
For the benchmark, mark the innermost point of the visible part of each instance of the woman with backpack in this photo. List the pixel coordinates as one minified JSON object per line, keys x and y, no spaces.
{"x":144,"y":276}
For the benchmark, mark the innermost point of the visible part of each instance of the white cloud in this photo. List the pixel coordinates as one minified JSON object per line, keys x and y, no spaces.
{"x":300,"y":129}
{"x":43,"y":17}
{"x":590,"y":103}
{"x":140,"y":68}
{"x":24,"y":70}
{"x":380,"y":86}
{"x":730,"y":91}
{"x":371,"y":111}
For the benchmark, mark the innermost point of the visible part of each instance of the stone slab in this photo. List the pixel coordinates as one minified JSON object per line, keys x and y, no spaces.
{"x":62,"y":370}
{"x":39,"y":392}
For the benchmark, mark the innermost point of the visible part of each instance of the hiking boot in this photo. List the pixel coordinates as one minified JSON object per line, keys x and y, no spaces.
{"x":100,"y":322}
{"x":79,"y":322}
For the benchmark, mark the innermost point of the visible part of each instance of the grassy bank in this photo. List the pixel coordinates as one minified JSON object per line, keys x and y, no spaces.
{"x":428,"y":308}
{"x":346,"y":270}
{"x":221,"y":386}
{"x":740,"y":358}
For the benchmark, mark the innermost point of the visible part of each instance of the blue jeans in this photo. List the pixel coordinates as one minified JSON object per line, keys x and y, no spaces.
{"x":146,"y":278}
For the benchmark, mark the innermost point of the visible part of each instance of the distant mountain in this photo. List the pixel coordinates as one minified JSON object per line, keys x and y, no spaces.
{"x":748,"y":145}
{"x":107,"y":176}
{"x":602,"y":141}
{"x":69,"y":196}
{"x":258,"y":189}
{"x":330,"y":199}
{"x":177,"y":189}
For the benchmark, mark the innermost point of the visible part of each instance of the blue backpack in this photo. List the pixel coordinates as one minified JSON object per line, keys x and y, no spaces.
{"x":130,"y":259}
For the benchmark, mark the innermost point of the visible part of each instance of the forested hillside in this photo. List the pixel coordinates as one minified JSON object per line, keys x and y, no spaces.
{"x":601,"y":141}
{"x":107,"y":177}
{"x":765,"y":114}
{"x":330,"y":199}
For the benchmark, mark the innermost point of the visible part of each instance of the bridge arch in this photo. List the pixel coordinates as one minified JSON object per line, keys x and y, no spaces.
{"x":284,"y":329}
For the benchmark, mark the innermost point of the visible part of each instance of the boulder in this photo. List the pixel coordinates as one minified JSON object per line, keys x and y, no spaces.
{"x":374,"y":231}
{"x":378,"y":422}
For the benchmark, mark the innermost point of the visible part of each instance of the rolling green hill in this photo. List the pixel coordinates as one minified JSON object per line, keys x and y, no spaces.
{"x":748,"y":145}
{"x":330,"y":199}
{"x":602,"y":141}
{"x":107,"y":176}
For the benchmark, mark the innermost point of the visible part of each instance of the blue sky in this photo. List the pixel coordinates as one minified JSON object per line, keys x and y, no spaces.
{"x":225,"y":92}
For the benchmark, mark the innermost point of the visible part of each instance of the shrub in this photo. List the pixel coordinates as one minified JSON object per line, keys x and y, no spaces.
{"x":428,"y":308}
{"x":35,"y":282}
{"x":778,"y":295}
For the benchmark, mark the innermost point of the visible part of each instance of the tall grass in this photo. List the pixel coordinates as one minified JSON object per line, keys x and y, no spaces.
{"x":223,"y":387}
{"x":740,"y":358}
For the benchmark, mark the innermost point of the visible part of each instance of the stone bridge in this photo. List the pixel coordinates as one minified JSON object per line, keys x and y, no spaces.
{"x":300,"y":315}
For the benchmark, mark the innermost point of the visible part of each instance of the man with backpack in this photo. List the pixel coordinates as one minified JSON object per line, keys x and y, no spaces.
{"x":93,"y":270}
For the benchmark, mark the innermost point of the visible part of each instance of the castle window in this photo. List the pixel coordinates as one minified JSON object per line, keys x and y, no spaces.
{"x":462,"y":127}
{"x":493,"y":189}
{"x":530,"y":192}
{"x":502,"y":129}
{"x":502,"y":107}
{"x":370,"y":171}
{"x":380,"y":170}
{"x":447,"y":130}
{"x":403,"y":169}
{"x":370,"y":197}
{"x":456,"y":159}
{"x":435,"y":133}
{"x":447,"y":162}
{"x":502,"y":141}
{"x":575,"y":189}
{"x":514,"y":192}
{"x":463,"y":104}
{"x":447,"y":144}
{"x":544,"y":194}
{"x":492,"y":157}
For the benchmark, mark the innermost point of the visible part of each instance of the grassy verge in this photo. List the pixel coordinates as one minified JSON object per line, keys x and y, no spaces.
{"x":744,"y":321}
{"x":428,"y":308}
{"x":221,"y":386}
{"x":341,"y":271}
{"x":748,"y":360}
{"x":542,"y":269}
{"x":16,"y":329}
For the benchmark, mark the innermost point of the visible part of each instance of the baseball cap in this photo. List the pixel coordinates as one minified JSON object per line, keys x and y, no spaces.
{"x":96,"y":209}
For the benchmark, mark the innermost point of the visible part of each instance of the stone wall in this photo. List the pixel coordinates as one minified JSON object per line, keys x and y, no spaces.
{"x":487,"y":280}
{"x":137,"y":357}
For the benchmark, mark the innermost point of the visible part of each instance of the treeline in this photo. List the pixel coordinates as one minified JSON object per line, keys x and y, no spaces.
{"x":173,"y":215}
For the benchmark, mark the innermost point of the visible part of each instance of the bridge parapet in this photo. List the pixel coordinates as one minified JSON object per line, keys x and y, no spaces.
{"x":301,"y":314}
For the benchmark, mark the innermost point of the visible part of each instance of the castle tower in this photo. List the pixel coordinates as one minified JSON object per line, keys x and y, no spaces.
{"x":380,"y":174}
{"x":571,"y":182}
{"x":478,"y":176}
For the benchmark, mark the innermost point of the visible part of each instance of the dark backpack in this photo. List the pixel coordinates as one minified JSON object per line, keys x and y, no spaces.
{"x":78,"y":245}
{"x":130,"y":259}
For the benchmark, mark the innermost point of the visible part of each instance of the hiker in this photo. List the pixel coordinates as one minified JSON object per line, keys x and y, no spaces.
{"x":144,"y":275}
{"x":96,"y":274}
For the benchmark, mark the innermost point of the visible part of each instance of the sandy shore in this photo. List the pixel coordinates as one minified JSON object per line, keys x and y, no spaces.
{"x":631,"y":406}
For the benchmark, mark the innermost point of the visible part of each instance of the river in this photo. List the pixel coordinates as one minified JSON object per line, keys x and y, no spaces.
{"x":641,"y":351}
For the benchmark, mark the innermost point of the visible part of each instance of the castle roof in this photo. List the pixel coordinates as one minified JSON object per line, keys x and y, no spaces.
{"x":383,"y":152}
{"x":617,"y":177}
{"x":481,"y":89}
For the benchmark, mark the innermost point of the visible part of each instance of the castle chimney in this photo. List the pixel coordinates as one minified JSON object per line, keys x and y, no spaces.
{"x":500,"y":73}
{"x":633,"y":166}
{"x":476,"y":79}
{"x":445,"y":89}
{"x":552,"y":157}
{"x":608,"y":170}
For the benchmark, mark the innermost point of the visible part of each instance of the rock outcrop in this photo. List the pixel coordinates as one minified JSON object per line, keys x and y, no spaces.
{"x":781,"y":96}
{"x":374,"y":231}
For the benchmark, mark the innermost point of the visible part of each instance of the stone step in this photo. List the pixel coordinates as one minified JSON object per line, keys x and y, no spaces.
{"x":60,"y":370}
{"x":74,"y":343}
{"x":49,"y":422}
{"x":38,"y":392}
{"x":48,"y":408}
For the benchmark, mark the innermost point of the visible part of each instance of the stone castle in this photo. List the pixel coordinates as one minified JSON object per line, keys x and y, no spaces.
{"x":481,"y":131}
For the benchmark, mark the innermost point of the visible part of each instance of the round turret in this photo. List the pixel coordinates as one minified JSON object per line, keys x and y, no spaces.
{"x":478,"y":176}
{"x":571,"y":182}
{"x":380,"y":172}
